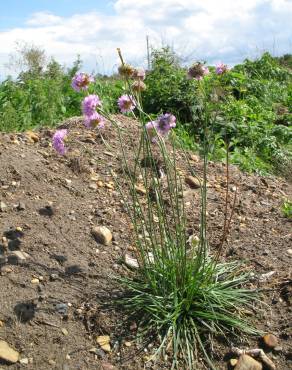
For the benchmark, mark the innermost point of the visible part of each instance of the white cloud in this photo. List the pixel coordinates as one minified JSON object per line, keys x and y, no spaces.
{"x":227,"y":30}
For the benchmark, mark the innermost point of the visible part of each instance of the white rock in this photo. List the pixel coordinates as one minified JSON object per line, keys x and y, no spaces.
{"x":131,"y":262}
{"x":102,"y":235}
{"x":23,"y":361}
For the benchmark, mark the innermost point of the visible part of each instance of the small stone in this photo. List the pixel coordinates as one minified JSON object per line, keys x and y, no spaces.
{"x":131,"y":262}
{"x":193,"y":182}
{"x":52,"y":362}
{"x":104,"y":342}
{"x":32,"y":136}
{"x":7,"y":353}
{"x":128,"y":344}
{"x":233,"y":361}
{"x":54,"y":277}
{"x":107,"y":366}
{"x":98,"y":351}
{"x":24,"y":361}
{"x":102,"y":235}
{"x":35,"y":281}
{"x":93,"y":186}
{"x":140,"y":189}
{"x":17,"y":257}
{"x":194,"y":158}
{"x":289,"y":251}
{"x":270,"y":340}
{"x":3,"y":206}
{"x":21,"y":206}
{"x":278,"y":349}
{"x":100,"y":184}
{"x":6,"y":270}
{"x":68,"y":181}
{"x":246,"y":362}
{"x":64,"y":331}
{"x":109,"y":185}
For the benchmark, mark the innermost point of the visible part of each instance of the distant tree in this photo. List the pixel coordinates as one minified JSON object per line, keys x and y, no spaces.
{"x":28,"y":60}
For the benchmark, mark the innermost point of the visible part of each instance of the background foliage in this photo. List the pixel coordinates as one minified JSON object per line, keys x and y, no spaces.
{"x":255,"y":115}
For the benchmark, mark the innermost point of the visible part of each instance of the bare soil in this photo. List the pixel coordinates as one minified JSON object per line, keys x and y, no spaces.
{"x":49,"y":206}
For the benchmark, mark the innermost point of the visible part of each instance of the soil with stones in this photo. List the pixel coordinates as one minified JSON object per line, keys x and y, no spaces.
{"x":54,"y":273}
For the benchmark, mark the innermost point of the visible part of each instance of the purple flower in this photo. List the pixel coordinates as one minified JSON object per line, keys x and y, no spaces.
{"x":95,"y":120}
{"x":89,"y":104}
{"x":221,"y":68}
{"x":126,"y":103}
{"x":81,"y":81}
{"x":161,"y":126}
{"x":198,"y":71}
{"x":58,"y":141}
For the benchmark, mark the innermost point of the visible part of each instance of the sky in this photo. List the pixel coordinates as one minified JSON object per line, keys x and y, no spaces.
{"x":210,"y":30}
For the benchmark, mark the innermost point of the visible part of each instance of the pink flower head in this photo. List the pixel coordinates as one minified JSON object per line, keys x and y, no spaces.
{"x":58,"y":141}
{"x":126,"y":103}
{"x":161,"y":126}
{"x":139,"y":74}
{"x":221,"y":68}
{"x":198,"y":71}
{"x":95,"y":120}
{"x":90,"y":103}
{"x":81,"y":81}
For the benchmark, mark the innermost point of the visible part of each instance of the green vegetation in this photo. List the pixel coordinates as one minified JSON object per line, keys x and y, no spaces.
{"x":255,"y":114}
{"x":287,"y":209}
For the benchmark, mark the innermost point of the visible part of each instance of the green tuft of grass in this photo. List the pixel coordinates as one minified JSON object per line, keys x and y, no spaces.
{"x":185,"y":302}
{"x":287,"y":209}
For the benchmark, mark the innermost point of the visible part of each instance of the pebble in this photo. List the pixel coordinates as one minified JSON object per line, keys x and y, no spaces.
{"x":7,"y":353}
{"x":289,"y":251}
{"x":64,"y":331}
{"x":107,"y":366}
{"x":35,"y":281}
{"x":233,"y":361}
{"x":16,"y":257}
{"x":24,"y":361}
{"x":193,"y":182}
{"x":131,"y":262}
{"x":21,"y":206}
{"x":195,"y":158}
{"x":3,"y":206}
{"x":54,"y":277}
{"x":104,"y":342}
{"x":98,"y":351}
{"x":33,"y":137}
{"x":102,"y":235}
{"x":93,"y":186}
{"x":246,"y":362}
{"x":140,"y":189}
{"x":278,"y":349}
{"x":270,"y":340}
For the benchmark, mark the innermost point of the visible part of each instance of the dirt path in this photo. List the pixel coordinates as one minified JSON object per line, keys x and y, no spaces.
{"x":49,"y":291}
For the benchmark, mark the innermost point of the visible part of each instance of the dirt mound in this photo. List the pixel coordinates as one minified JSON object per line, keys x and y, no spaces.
{"x":54,"y":272}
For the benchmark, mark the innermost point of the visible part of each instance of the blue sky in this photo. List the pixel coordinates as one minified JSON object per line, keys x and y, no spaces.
{"x":14,"y":13}
{"x":211,"y":30}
